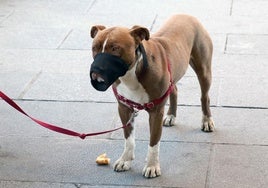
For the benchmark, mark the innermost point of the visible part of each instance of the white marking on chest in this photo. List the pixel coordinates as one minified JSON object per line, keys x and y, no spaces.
{"x":104,"y":45}
{"x":131,"y":88}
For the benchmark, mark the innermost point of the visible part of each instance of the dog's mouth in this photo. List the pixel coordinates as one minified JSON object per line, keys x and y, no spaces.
{"x":99,"y":81}
{"x":97,"y":77}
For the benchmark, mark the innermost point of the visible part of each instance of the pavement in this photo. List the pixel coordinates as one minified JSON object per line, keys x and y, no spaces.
{"x":44,"y":62}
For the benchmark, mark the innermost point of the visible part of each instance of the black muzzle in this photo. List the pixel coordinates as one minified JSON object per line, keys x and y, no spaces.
{"x":105,"y":70}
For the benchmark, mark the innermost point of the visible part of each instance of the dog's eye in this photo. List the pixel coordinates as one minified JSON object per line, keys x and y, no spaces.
{"x":95,"y":47}
{"x":115,"y":48}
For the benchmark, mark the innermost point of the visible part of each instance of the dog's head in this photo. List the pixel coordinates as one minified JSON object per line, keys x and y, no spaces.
{"x":113,"y":51}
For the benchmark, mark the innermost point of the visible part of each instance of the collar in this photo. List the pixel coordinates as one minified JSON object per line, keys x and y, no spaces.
{"x":142,"y":57}
{"x":133,"y":105}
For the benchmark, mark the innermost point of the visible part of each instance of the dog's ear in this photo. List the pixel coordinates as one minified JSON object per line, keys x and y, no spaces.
{"x":139,"y":33}
{"x":95,"y":29}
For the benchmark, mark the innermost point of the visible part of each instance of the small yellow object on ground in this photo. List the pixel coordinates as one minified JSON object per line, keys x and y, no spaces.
{"x":103,"y":159}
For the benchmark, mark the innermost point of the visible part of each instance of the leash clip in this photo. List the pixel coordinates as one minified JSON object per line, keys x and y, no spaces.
{"x":135,"y":113}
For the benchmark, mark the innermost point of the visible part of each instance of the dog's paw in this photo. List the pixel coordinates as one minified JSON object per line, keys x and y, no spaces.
{"x":122,"y":165}
{"x":151,"y":171}
{"x":169,"y":121}
{"x":208,"y":124}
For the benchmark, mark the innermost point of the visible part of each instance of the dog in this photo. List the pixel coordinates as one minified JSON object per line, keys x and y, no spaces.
{"x":143,"y":71}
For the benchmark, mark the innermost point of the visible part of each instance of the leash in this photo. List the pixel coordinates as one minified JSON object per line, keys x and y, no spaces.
{"x":57,"y":128}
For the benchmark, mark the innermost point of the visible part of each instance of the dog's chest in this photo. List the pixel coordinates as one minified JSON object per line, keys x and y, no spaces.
{"x":131,"y":89}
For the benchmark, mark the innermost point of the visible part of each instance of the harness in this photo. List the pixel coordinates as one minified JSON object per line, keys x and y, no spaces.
{"x":146,"y":106}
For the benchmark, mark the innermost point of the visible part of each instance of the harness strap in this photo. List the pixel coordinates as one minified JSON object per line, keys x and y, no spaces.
{"x":148,"y":105}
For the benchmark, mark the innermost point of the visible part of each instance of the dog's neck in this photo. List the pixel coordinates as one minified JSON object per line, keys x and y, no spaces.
{"x":130,"y":86}
{"x":140,"y":66}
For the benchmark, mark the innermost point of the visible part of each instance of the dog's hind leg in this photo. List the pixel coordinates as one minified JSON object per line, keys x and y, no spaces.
{"x":205,"y":82}
{"x":203,"y":71}
{"x":200,"y":61}
{"x":127,"y":115}
{"x":172,"y":110}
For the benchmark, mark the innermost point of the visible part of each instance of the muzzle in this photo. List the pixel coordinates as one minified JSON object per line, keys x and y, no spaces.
{"x":106,"y":69}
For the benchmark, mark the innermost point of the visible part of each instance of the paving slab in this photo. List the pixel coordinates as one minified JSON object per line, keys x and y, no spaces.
{"x":4,"y":13}
{"x":46,"y":61}
{"x":116,"y":19}
{"x":250,"y":8}
{"x":218,"y":41}
{"x":55,"y":6}
{"x":78,"y":38}
{"x":249,"y":92}
{"x":233,"y":65}
{"x":189,"y":92}
{"x":215,"y":8}
{"x":117,"y":16}
{"x":236,"y":25}
{"x":47,"y":38}
{"x":216,"y":14}
{"x":247,"y":44}
{"x":46,"y":13}
{"x":71,"y":87}
{"x":234,"y":166}
{"x":15,"y":83}
{"x":23,"y":184}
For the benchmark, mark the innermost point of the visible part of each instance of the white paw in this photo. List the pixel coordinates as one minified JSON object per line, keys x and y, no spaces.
{"x":151,"y":171}
{"x":152,"y":168}
{"x":208,"y":124}
{"x":122,"y":165}
{"x":124,"y":162}
{"x":169,"y":121}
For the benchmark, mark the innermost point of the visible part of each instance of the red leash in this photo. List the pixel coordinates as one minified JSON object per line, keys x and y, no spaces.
{"x":53,"y":127}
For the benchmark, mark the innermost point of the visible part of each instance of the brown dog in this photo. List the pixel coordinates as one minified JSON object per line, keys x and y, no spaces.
{"x":151,"y":76}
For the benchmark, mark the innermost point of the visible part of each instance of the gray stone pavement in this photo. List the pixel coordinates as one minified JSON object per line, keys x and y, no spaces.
{"x":44,"y":61}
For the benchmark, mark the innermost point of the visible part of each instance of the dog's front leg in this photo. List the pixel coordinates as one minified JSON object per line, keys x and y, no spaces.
{"x":152,"y":167}
{"x":127,"y":116}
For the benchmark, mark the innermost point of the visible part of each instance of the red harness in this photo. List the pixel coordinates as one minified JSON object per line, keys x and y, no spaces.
{"x":133,"y":105}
